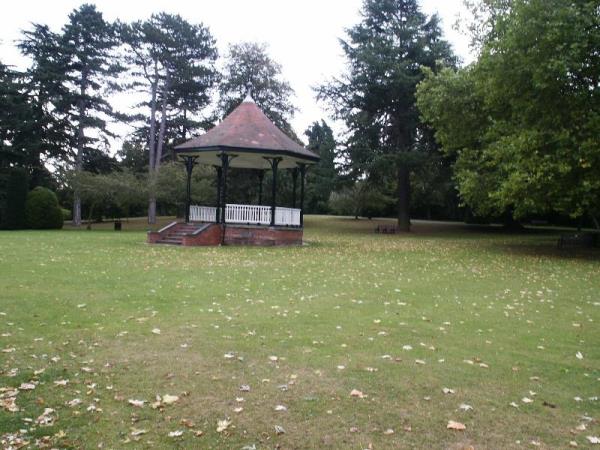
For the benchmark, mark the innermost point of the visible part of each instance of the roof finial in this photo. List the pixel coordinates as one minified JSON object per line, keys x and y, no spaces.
{"x":248,"y":93}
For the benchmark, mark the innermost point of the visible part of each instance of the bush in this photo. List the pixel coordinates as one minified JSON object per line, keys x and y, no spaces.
{"x":16,"y":194}
{"x":66,"y":213}
{"x":42,"y":210}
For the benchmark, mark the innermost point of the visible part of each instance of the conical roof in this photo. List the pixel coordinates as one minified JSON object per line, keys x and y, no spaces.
{"x":249,"y":134}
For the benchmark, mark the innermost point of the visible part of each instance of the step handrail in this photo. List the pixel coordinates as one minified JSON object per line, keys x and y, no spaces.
{"x":200,"y":230}
{"x":166,"y":227}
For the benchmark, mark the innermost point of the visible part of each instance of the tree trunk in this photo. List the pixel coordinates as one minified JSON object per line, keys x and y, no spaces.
{"x":152,"y":210}
{"x":152,"y":150}
{"x":163,"y":124}
{"x":80,"y":148}
{"x":403,"y":199}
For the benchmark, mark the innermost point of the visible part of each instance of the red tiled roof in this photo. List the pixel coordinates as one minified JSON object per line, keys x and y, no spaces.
{"x":247,"y":127}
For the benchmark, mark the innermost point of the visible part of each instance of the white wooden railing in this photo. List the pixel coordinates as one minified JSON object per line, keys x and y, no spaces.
{"x":203,"y":213}
{"x":247,"y":214}
{"x":287,"y":216}
{"x":254,"y":214}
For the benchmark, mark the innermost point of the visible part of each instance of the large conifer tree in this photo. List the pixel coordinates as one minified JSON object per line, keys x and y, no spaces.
{"x":87,"y":43}
{"x":386,"y":52}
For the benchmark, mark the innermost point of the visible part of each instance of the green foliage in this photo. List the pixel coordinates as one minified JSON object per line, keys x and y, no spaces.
{"x":386,"y":52}
{"x":362,"y":199}
{"x":17,"y":186}
{"x":42,"y":210}
{"x":121,"y":189}
{"x":66,"y":214}
{"x":249,"y":62}
{"x":171,"y":185}
{"x":172,"y":62}
{"x":133,"y":156}
{"x":523,"y":121}
{"x":44,"y":131}
{"x":323,"y":177}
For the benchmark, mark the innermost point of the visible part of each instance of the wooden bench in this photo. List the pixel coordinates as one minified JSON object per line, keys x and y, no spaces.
{"x":578,"y":240}
{"x":386,"y":229}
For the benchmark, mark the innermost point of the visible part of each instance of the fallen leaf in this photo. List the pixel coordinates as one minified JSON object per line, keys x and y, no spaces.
{"x":452,"y":425}
{"x":136,"y":403}
{"x":169,"y":399}
{"x":176,"y":433}
{"x":222,"y":425}
{"x":138,"y":432}
{"x":357,"y":393}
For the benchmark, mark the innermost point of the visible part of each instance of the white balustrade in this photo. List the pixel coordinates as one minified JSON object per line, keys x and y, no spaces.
{"x":247,"y":214}
{"x":254,"y":214}
{"x":203,"y":213}
{"x":287,"y":216}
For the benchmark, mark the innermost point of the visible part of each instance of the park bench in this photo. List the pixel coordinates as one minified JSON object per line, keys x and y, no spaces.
{"x":386,"y":229}
{"x":578,"y":240}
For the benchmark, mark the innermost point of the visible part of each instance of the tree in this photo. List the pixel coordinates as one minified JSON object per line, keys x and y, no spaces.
{"x":323,"y":177}
{"x":172,"y":61}
{"x":42,"y":210}
{"x":526,"y":138}
{"x":13,"y":108}
{"x":44,"y":132}
{"x":249,"y":63}
{"x":88,"y":42}
{"x":17,"y":187}
{"x":133,"y":156}
{"x":120,"y":189}
{"x":360,"y":199}
{"x":386,"y":53}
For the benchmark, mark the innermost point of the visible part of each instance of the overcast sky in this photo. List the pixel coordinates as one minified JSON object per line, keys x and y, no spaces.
{"x":302,"y":34}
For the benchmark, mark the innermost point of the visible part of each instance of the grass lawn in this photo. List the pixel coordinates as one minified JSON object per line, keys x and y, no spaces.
{"x":498,"y":332}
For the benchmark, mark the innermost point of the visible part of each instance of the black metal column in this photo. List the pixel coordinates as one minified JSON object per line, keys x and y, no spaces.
{"x":225,"y":167}
{"x":274,"y":164}
{"x":295,"y":178}
{"x":261,"y":177}
{"x":302,"y":177}
{"x":189,"y":162}
{"x":219,"y":186}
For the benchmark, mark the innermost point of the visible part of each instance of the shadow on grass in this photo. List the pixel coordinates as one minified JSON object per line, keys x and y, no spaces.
{"x":525,"y":241}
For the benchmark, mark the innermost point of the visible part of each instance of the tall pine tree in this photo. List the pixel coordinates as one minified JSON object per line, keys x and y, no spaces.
{"x":173,"y":62}
{"x":386,"y":52}
{"x":323,"y":176}
{"x":249,"y":62}
{"x":87,"y":43}
{"x":46,"y":132}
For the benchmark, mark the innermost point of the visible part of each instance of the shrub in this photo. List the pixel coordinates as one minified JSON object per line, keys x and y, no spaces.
{"x":42,"y":210}
{"x":16,"y":195}
{"x":66,"y":213}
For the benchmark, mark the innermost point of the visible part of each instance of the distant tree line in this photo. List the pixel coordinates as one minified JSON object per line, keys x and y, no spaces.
{"x":56,"y":114}
{"x":512,"y":136}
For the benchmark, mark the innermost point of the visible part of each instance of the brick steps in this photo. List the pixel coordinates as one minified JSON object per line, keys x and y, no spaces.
{"x":175,"y":234}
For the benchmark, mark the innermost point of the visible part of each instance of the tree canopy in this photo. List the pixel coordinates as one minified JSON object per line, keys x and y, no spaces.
{"x":248,"y":63}
{"x":523,"y":120}
{"x":386,"y":53}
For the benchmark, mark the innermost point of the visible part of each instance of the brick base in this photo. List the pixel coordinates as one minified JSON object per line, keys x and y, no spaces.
{"x":234,"y":235}
{"x":153,"y":236}
{"x":249,"y":235}
{"x":209,"y":236}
